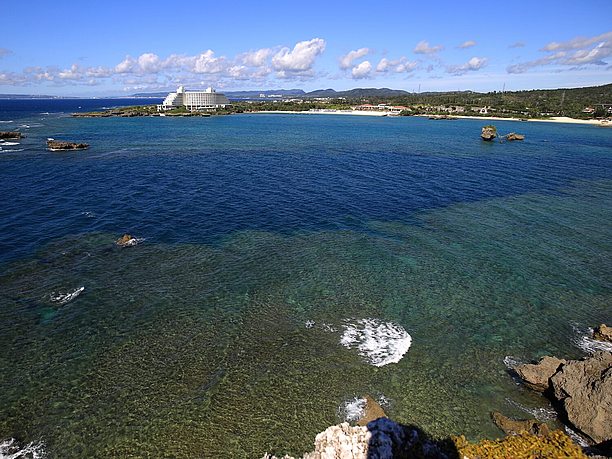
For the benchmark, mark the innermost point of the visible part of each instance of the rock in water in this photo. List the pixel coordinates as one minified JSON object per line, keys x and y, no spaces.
{"x":584,"y":387}
{"x":10,"y":135}
{"x":537,"y":376}
{"x":513,"y":426}
{"x":514,"y":136}
{"x":488,"y":132}
{"x":603,"y":333}
{"x":372,"y":411}
{"x":56,"y":145}
{"x":127,"y":240}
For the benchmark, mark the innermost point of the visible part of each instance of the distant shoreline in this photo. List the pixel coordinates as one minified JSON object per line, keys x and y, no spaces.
{"x":556,"y":119}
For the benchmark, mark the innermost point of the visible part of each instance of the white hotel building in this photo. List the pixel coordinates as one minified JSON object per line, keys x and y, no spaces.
{"x":194,"y":100}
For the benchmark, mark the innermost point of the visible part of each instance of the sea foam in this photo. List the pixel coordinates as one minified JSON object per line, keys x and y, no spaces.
{"x":380,"y":343}
{"x":583,"y":338}
{"x":64,"y":298}
{"x":10,"y":449}
{"x":352,"y":410}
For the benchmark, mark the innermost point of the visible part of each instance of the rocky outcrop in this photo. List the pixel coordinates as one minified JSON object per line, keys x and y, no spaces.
{"x":514,"y":426}
{"x":380,"y":439}
{"x":10,"y":135}
{"x":372,"y":411}
{"x":514,"y":136}
{"x":524,"y":445}
{"x":603,"y":333}
{"x":488,"y":132}
{"x":127,"y":240}
{"x":584,"y":388}
{"x":537,"y":376}
{"x":57,"y":145}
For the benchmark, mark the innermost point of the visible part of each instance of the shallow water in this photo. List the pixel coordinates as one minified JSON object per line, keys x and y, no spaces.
{"x":267,"y":237}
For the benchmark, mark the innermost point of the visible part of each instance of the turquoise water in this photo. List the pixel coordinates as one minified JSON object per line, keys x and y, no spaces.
{"x":266,"y":237}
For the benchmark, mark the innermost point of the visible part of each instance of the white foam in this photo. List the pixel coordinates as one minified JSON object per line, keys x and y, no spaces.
{"x":512,"y":362}
{"x":380,"y":343}
{"x":583,"y":338}
{"x":542,"y":414}
{"x":132,"y":242}
{"x":9,"y":143}
{"x":7,"y":121}
{"x":353,"y":410}
{"x":576,"y":437}
{"x":64,"y":298}
{"x":88,"y":214}
{"x":310,"y":323}
{"x":9,"y":449}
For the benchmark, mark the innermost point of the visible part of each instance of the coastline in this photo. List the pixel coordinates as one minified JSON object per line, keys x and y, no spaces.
{"x":555,"y":119}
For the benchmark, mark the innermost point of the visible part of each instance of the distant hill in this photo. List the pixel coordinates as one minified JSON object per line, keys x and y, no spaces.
{"x":358,"y":93}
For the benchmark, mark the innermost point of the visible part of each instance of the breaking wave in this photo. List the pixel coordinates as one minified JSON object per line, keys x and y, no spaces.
{"x":380,"y":343}
{"x":542,"y":414}
{"x":11,"y":449}
{"x":352,"y":410}
{"x":64,"y":298}
{"x":583,"y":338}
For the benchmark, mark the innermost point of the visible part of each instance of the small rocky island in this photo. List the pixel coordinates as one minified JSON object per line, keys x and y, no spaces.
{"x":58,"y":145}
{"x":5,"y":135}
{"x":488,"y":133}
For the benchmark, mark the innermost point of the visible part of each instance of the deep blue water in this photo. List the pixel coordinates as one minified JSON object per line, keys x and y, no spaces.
{"x":256,"y":224}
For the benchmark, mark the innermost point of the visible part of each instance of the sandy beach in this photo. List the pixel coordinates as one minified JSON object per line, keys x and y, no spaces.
{"x":555,"y":119}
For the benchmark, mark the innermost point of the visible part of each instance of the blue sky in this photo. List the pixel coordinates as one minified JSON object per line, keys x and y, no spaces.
{"x":122,"y":47}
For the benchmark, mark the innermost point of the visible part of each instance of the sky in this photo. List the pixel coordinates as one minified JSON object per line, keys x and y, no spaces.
{"x":115,"y":48}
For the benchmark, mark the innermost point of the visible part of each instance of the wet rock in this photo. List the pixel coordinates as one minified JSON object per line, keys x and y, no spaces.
{"x":488,"y":132}
{"x":537,"y":376}
{"x":584,"y":388}
{"x":514,"y":426}
{"x":603,"y":333}
{"x":57,"y":145}
{"x":372,"y":411}
{"x":10,"y":135}
{"x":126,"y":240}
{"x":514,"y":136}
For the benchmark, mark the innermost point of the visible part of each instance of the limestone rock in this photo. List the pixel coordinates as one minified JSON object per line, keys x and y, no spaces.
{"x":513,"y":426}
{"x":57,"y":145}
{"x":536,"y":376}
{"x":10,"y":135}
{"x":372,"y":411}
{"x":515,"y":136}
{"x":603,"y":333}
{"x":126,"y":240}
{"x":584,"y":388}
{"x":488,"y":132}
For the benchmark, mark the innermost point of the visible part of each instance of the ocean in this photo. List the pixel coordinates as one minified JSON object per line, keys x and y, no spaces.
{"x":286,"y":265}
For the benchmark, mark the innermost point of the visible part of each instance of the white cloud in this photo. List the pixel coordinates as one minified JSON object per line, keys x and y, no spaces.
{"x":206,"y":62}
{"x":148,"y":63}
{"x":474,"y":64}
{"x":346,"y":61}
{"x":517,"y":44}
{"x":423,"y":47}
{"x":467,"y":44}
{"x":401,"y":65}
{"x":301,"y":58}
{"x":578,"y":51}
{"x":5,"y":52}
{"x":362,"y":70}
{"x":126,"y":65}
{"x":256,"y":58}
{"x":577,"y":43}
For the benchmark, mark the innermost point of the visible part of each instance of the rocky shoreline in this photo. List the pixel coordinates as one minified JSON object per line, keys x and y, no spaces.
{"x":580,"y":390}
{"x":138,"y":111}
